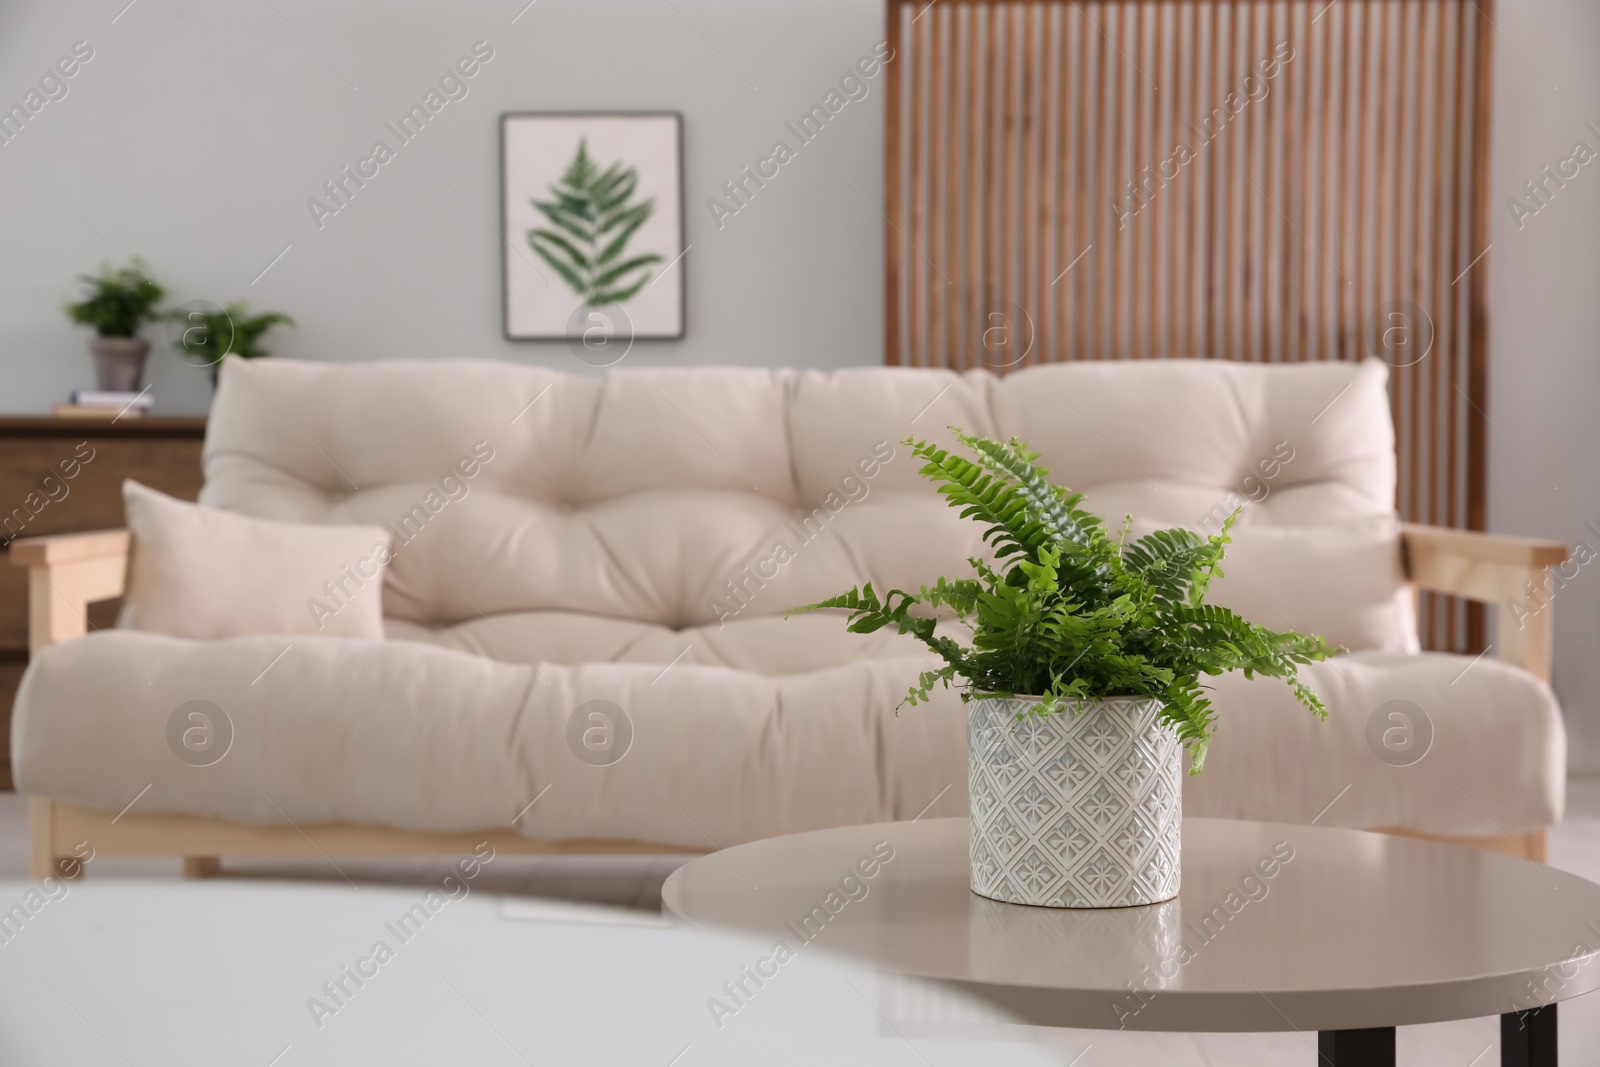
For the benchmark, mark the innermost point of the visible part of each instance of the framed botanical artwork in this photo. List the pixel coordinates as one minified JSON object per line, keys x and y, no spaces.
{"x":592,"y":211}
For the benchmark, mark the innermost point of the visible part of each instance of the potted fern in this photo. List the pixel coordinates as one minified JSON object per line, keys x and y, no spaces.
{"x":1082,"y":680}
{"x":211,"y":333}
{"x":118,"y":303}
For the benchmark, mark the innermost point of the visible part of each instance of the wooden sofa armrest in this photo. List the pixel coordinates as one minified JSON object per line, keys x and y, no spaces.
{"x":1496,"y":569}
{"x":67,"y":573}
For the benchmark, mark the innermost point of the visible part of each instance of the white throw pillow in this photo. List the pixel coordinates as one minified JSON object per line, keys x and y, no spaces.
{"x":202,"y":573}
{"x":1342,"y":580}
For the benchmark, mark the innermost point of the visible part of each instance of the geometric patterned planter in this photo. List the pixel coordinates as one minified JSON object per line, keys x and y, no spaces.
{"x":1082,"y":809}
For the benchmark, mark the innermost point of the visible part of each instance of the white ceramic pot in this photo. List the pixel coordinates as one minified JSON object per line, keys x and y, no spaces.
{"x":1080,"y":809}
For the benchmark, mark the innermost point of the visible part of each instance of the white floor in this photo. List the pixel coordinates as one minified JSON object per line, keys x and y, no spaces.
{"x":636,"y":882}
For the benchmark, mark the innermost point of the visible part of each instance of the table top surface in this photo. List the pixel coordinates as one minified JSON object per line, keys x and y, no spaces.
{"x":1276,"y":927}
{"x":105,"y":974}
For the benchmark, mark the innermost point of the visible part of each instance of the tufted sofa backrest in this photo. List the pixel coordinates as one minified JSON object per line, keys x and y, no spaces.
{"x":675,"y":496}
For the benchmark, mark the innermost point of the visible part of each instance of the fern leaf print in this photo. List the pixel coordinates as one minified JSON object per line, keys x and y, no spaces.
{"x":591,"y":219}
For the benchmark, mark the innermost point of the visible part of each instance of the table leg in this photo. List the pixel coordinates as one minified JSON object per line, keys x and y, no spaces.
{"x":1356,"y":1048}
{"x":1528,"y":1038}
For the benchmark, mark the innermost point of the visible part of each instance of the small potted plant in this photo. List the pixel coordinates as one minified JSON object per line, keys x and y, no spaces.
{"x":209,"y":335}
{"x":1082,"y":680}
{"x":119,"y":302}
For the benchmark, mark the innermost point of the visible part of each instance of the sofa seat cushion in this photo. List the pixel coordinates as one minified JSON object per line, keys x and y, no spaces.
{"x":762,"y":644}
{"x":1497,"y":763}
{"x":394,"y":733}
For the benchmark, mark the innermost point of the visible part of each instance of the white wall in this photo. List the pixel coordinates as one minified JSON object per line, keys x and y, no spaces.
{"x":1544,"y":370}
{"x":198,"y":131}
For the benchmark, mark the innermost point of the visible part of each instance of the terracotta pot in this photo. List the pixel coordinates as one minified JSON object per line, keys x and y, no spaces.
{"x":119,"y":363}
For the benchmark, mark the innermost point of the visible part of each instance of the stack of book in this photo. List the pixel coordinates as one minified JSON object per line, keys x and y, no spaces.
{"x":99,"y":404}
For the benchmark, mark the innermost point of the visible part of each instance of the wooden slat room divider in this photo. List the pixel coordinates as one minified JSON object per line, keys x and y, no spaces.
{"x":1263,"y":180}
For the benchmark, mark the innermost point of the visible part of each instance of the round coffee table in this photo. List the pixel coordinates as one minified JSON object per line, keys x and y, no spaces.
{"x":1277,"y":928}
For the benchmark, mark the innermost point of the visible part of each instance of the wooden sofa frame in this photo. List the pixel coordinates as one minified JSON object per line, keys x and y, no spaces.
{"x":68,"y":572}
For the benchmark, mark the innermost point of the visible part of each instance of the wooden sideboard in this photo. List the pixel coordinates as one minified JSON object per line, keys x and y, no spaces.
{"x":63,"y":475}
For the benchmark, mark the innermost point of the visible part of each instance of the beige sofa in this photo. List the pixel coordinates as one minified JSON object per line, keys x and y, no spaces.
{"x":637,"y":538}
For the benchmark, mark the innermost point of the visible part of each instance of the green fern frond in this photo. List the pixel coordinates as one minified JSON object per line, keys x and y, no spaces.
{"x":588,"y":205}
{"x":959,"y":595}
{"x":1058,"y":514}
